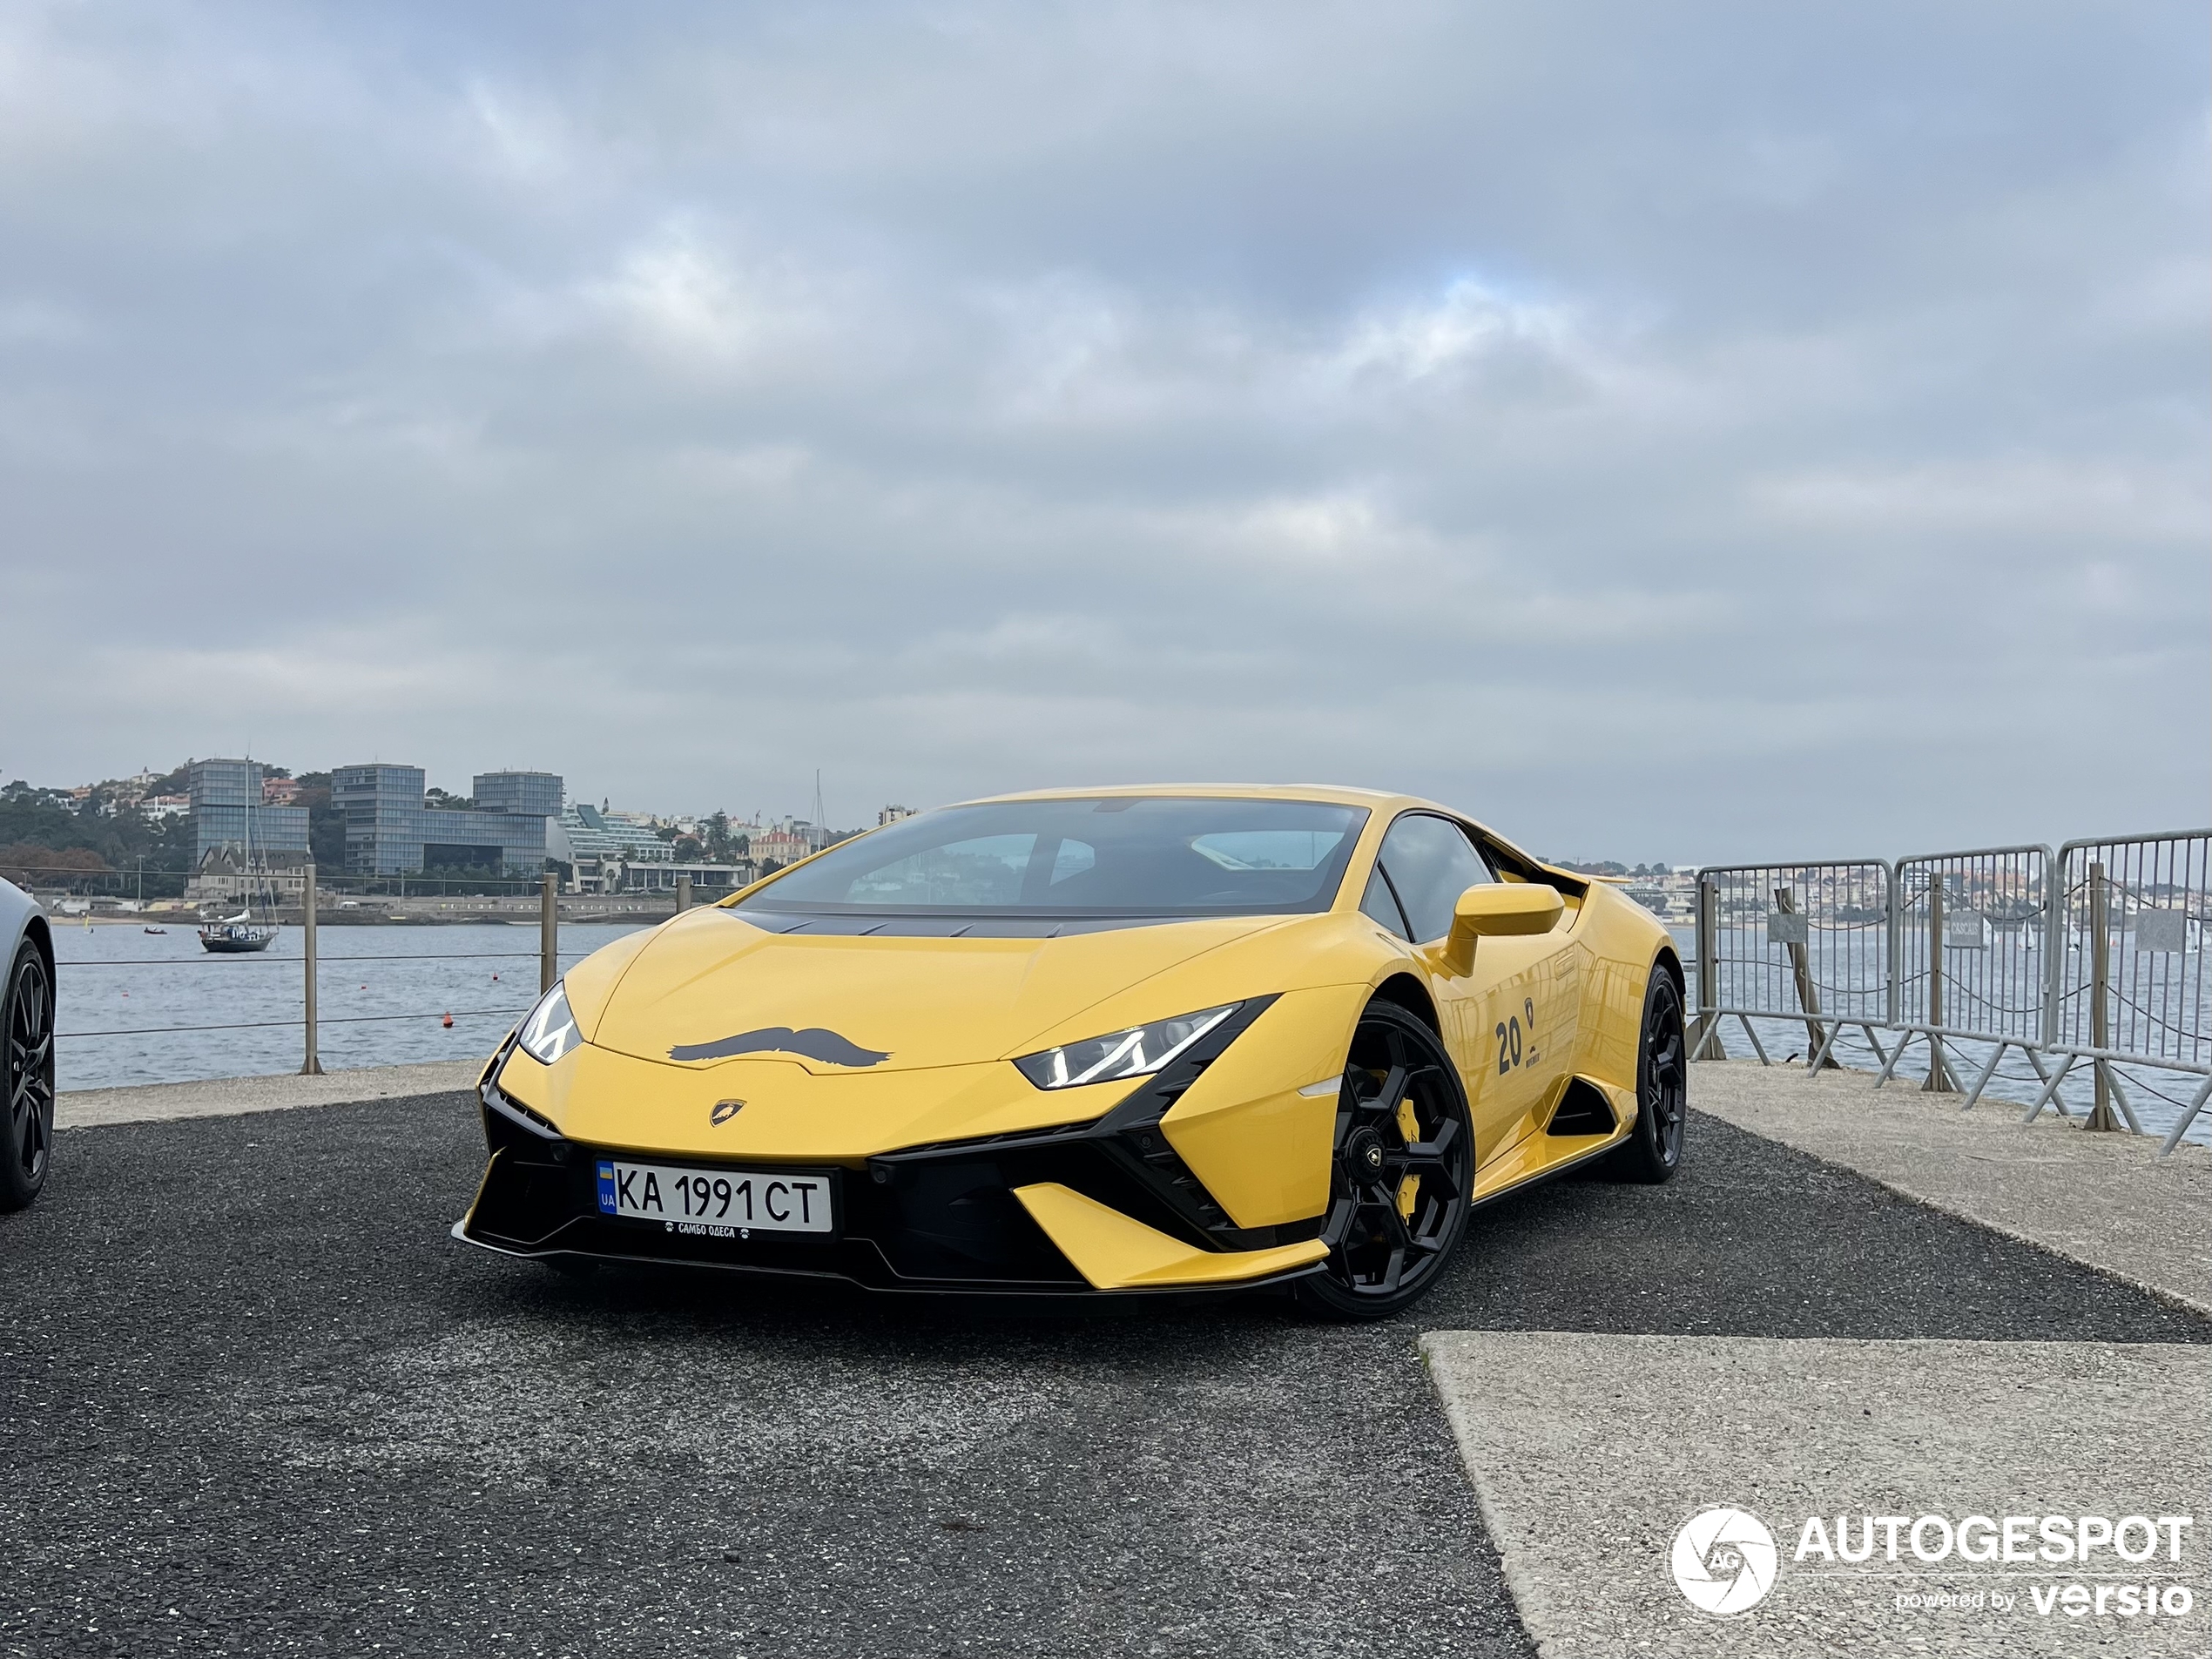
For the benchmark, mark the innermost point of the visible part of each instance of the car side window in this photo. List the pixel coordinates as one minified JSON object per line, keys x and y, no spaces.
{"x":1430,"y":862}
{"x":1381,"y":905}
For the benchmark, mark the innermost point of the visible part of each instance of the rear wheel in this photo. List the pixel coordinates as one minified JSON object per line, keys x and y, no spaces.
{"x":1403,"y":1166}
{"x":30,"y":1069}
{"x":1653,"y":1151}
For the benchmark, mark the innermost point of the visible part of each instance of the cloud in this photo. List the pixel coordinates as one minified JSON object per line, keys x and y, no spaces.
{"x":1458,"y":327}
{"x":678,"y":294}
{"x":2114,"y":502}
{"x":1675,"y":435}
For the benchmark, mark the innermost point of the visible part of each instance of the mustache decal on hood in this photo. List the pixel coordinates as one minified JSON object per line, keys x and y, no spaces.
{"x":813,"y":1042}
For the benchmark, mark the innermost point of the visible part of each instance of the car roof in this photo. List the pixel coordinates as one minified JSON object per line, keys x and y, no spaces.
{"x":1335,"y":794}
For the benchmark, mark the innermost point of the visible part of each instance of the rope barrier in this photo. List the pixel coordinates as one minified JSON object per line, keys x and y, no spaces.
{"x":294,"y":1025}
{"x":261,"y":961}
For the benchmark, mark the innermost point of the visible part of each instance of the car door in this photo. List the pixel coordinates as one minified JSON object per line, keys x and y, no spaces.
{"x":1507,"y":1022}
{"x":1534,"y":988}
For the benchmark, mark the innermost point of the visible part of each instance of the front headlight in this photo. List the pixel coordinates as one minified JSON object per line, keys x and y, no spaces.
{"x":550,"y":1030}
{"x":1137,"y":1052}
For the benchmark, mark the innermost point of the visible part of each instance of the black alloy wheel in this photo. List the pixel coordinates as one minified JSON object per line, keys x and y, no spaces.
{"x":30,"y":1079}
{"x":1403,"y":1172}
{"x":1653,"y":1151}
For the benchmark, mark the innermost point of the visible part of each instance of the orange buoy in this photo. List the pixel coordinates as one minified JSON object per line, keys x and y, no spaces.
{"x":448,"y":1023}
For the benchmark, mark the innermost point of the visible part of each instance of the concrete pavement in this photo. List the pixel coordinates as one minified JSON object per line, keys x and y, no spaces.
{"x":227,"y":1096}
{"x":1791,"y":1430}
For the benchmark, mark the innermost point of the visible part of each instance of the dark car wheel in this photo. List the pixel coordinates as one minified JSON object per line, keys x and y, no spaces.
{"x":29,"y":1078}
{"x":1653,"y":1151}
{"x":1404,"y":1168}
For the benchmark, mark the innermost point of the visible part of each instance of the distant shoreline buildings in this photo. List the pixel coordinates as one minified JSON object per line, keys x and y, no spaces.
{"x":515,"y":827}
{"x":391,"y":828}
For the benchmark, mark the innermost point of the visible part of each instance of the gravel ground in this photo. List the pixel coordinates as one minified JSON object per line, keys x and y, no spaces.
{"x":263,"y":1404}
{"x":2109,"y":1200}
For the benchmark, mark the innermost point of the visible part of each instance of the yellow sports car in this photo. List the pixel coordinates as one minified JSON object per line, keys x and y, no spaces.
{"x":1095,"y":1041}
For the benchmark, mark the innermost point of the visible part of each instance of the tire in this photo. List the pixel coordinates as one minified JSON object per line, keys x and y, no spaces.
{"x":1398,"y":1200}
{"x":1653,"y":1151}
{"x":28,"y":1008}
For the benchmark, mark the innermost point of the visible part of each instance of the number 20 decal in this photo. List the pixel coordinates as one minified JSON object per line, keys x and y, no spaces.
{"x":1509,"y":1037}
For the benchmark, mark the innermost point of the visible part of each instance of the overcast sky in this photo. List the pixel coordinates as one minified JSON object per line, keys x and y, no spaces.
{"x":1664,"y":431}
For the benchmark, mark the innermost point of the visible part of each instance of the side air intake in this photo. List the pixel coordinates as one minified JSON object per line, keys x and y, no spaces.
{"x":1583,"y":1110}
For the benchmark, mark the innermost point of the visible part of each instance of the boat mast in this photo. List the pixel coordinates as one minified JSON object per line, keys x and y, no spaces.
{"x":250,"y":884}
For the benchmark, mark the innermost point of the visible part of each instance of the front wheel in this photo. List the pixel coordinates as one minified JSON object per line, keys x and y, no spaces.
{"x":1653,"y":1151}
{"x":30,"y":1004}
{"x":1403,"y":1167}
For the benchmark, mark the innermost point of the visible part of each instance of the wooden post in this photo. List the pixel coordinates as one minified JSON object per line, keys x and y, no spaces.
{"x":1940,"y":1081}
{"x":311,"y":1062}
{"x":1808,"y":992}
{"x":1705,"y":1036}
{"x":2101,"y":1116}
{"x":548,"y":933}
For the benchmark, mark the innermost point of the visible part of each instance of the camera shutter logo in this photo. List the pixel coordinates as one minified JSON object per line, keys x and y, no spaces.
{"x":1724,"y":1560}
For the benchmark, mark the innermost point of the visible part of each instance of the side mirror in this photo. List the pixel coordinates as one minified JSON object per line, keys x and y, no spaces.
{"x":1503,"y":909}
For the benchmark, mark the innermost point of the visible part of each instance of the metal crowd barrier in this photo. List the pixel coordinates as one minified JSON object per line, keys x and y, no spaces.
{"x":2093,"y":953}
{"x":1804,"y":941}
{"x":2132,"y":935}
{"x":1972,"y":958}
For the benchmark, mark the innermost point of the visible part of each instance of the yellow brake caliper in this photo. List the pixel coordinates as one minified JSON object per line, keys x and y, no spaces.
{"x":1409,"y":1190}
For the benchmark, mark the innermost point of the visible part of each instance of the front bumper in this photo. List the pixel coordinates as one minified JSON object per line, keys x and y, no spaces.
{"x":1106,"y":1206}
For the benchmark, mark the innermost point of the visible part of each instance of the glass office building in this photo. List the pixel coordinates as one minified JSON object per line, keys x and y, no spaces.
{"x":531,"y":794}
{"x":389,"y":830}
{"x":227,"y":811}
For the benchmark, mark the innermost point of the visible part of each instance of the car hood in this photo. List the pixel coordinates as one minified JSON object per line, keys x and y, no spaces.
{"x":711,"y":988}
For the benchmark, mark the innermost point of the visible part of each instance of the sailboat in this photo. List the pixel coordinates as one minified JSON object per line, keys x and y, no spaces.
{"x":235,"y":935}
{"x":239,"y":935}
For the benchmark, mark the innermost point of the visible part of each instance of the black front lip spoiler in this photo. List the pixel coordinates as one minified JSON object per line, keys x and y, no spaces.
{"x":985,"y":1289}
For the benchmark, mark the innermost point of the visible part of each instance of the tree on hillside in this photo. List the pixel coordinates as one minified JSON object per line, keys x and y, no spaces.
{"x":50,"y":838}
{"x":1603,"y":867}
{"x":326,"y":825}
{"x":33,"y":864}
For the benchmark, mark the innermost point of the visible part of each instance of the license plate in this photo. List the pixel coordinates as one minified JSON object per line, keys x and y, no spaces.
{"x":715,"y":1203}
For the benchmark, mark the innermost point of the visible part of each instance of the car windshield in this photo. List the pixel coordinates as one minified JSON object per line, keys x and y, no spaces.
{"x":1119,"y":856}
